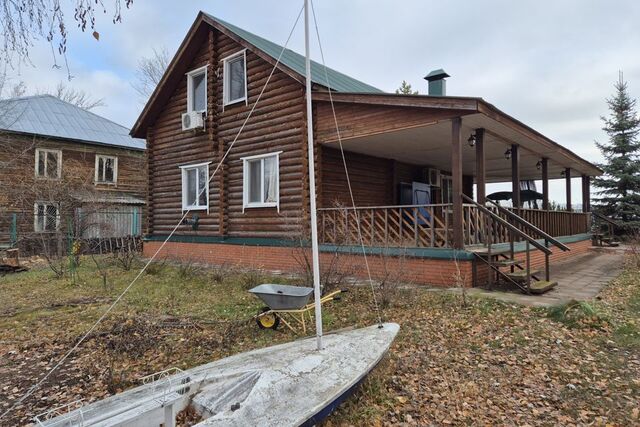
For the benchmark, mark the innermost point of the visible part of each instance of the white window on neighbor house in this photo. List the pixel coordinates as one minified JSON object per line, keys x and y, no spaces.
{"x":197,"y":90}
{"x":235,"y":78}
{"x":195,"y":186}
{"x":261,"y":181}
{"x":48,"y":163}
{"x":46,"y":217}
{"x":106,"y":170}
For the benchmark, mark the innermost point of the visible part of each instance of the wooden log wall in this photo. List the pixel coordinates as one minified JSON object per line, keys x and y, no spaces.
{"x":277,"y":124}
{"x":374,"y":180}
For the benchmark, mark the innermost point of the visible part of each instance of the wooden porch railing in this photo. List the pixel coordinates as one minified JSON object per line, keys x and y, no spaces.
{"x":430,"y":226}
{"x":387,"y":226}
{"x":556,"y":223}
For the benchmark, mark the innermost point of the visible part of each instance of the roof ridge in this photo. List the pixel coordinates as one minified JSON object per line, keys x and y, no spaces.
{"x":340,"y":82}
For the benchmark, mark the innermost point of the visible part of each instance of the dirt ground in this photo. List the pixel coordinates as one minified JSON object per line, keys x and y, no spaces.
{"x":457,"y":360}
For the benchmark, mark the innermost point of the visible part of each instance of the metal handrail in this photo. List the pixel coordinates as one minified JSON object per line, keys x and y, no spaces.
{"x":532,"y":227}
{"x":509,"y":226}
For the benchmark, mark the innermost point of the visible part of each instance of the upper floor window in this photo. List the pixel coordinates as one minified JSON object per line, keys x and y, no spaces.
{"x":235,"y":78}
{"x":46,"y":216}
{"x":197,"y":90}
{"x":106,"y":169}
{"x":195,"y":187}
{"x":48,"y":163}
{"x":261,"y":181}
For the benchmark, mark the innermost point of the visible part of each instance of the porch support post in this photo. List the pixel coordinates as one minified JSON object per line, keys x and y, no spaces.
{"x":567,"y":178}
{"x":481,"y":179}
{"x":456,"y":182}
{"x":545,"y":183}
{"x":515,"y":176}
{"x":586,"y":193}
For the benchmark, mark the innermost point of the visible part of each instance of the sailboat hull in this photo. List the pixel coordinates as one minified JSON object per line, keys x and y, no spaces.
{"x":289,"y":384}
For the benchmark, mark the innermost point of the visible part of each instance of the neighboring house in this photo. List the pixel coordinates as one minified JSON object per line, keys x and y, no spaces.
{"x":56,"y":156}
{"x":411,"y":159}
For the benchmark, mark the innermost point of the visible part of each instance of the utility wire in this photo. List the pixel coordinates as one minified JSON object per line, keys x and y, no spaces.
{"x":122,"y":294}
{"x":346,"y":171}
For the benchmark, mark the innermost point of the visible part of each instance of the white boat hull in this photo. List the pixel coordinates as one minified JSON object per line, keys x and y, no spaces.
{"x":290,"y":384}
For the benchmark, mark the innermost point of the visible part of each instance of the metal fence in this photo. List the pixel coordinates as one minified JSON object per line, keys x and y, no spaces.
{"x":115,"y":222}
{"x":112,"y":222}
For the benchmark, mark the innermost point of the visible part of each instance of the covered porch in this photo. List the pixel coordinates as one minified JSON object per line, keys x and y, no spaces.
{"x":419,"y":168}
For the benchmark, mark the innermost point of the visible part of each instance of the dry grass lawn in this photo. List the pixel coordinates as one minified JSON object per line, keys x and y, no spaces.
{"x":477,"y":363}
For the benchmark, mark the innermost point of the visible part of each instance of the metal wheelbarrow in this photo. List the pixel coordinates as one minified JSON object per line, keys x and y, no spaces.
{"x":287,"y":301}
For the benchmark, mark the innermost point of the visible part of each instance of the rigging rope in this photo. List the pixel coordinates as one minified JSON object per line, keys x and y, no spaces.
{"x":346,"y":171}
{"x":122,"y":294}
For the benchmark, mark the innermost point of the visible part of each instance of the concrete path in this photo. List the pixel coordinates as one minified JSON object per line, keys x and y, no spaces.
{"x":580,"y":278}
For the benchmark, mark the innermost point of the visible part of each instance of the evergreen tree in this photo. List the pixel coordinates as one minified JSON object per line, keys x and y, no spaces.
{"x":619,"y":187}
{"x":405,"y":89}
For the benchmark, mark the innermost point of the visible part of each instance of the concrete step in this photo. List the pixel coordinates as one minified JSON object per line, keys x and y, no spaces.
{"x":542,"y":286}
{"x":521,"y":275}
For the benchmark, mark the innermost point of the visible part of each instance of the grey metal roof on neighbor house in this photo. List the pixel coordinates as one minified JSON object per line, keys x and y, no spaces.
{"x":48,"y":116}
{"x":336,"y":80}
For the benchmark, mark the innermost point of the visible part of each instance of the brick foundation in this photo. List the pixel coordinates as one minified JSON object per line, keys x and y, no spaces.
{"x":419,"y":270}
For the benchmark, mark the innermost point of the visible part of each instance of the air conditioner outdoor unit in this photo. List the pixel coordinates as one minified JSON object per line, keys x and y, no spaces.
{"x":192,"y":120}
{"x":432,"y":177}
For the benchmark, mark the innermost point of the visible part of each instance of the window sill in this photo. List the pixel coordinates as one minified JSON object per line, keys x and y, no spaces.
{"x":235,"y":101}
{"x":111,"y":184}
{"x":194,"y":208}
{"x":261,"y":205}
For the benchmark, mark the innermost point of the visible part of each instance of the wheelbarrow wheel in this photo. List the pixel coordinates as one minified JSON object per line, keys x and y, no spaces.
{"x":267,"y":320}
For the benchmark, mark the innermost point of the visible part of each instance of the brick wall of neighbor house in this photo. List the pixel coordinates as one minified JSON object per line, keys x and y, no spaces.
{"x":17,"y":162}
{"x":426,"y":271}
{"x":277,"y":124}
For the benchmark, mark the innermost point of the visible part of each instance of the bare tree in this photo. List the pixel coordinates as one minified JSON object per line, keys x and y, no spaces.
{"x":150,"y":71}
{"x":25,"y":22}
{"x":77,"y":97}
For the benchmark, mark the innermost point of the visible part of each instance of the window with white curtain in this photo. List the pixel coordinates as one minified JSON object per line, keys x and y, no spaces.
{"x":235,"y":78}
{"x":195,"y":187}
{"x":261,"y":181}
{"x":46,"y":217}
{"x":197,"y":90}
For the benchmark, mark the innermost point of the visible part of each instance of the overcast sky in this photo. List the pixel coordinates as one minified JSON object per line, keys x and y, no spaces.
{"x":551,"y":64}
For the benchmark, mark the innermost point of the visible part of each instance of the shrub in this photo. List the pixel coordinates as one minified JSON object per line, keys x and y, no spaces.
{"x":578,"y":314}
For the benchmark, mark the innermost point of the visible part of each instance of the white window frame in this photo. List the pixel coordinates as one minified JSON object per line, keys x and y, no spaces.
{"x":36,"y":227}
{"x":37,"y":158}
{"x":190,"y":75}
{"x":245,"y":182}
{"x":183,"y":172}
{"x":226,"y":81}
{"x":97,"y":179}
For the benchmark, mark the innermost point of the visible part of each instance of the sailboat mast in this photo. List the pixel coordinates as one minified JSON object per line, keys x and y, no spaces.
{"x":312,"y":184}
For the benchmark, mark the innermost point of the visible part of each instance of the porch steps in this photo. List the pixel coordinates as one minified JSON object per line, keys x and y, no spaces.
{"x":541,"y":286}
{"x":507,"y":263}
{"x":483,"y":251}
{"x":521,"y":275}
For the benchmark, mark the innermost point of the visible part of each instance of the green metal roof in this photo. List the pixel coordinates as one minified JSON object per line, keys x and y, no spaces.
{"x":336,"y":80}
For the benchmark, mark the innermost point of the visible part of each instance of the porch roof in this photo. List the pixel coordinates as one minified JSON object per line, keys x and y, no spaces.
{"x":429,"y":142}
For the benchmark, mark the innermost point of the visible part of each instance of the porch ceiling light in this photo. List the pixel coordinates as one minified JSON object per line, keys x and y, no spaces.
{"x":562,"y":173}
{"x":472,"y":140}
{"x":539,"y":165}
{"x":507,"y":154}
